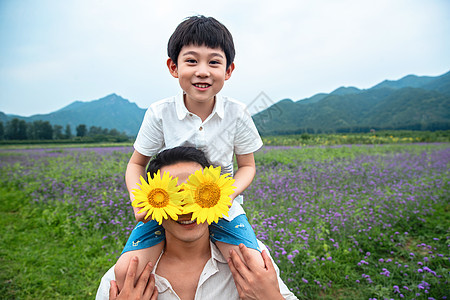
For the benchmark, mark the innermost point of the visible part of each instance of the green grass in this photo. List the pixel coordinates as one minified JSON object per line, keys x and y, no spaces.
{"x":379,"y":137}
{"x":50,"y":145}
{"x":305,"y":139}
{"x":43,"y":255}
{"x":51,"y":246}
{"x":295,"y":156}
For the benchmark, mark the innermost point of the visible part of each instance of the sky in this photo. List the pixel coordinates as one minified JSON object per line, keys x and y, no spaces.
{"x":55,"y":52}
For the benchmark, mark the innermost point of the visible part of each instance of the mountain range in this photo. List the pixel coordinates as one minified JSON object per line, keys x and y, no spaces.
{"x":112,"y":112}
{"x":413,"y":102}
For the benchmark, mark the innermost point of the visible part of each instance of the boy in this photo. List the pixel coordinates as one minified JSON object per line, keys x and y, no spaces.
{"x":201,"y":53}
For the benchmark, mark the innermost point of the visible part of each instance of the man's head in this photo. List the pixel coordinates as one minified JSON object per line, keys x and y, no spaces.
{"x":176,"y":155}
{"x":181,"y":162}
{"x":201,"y":31}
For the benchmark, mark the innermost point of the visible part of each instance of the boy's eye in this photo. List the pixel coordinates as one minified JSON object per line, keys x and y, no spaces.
{"x":191,"y":61}
{"x":215,"y":62}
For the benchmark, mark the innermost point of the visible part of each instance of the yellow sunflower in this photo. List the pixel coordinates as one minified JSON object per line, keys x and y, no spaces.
{"x":208,"y":195}
{"x":159,"y":196}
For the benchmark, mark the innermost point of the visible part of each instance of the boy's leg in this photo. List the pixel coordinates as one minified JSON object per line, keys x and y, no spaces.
{"x":146,"y":241}
{"x":145,"y":255}
{"x":227,"y":235}
{"x":226,"y":248}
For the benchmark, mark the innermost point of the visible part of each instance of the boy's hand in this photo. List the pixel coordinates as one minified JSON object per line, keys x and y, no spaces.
{"x":140,"y":216}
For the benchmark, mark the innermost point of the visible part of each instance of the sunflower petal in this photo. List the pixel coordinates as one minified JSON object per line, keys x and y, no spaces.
{"x":210,"y":176}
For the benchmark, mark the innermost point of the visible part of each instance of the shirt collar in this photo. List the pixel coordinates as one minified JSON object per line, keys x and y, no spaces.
{"x":163,"y":284}
{"x":218,"y":107}
{"x":182,"y":111}
{"x":216,"y":255}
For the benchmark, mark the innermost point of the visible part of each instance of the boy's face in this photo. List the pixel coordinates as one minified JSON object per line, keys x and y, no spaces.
{"x":201,"y":72}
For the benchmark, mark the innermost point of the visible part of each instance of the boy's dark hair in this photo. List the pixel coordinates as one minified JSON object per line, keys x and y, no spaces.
{"x":175,"y":155}
{"x":199,"y":31}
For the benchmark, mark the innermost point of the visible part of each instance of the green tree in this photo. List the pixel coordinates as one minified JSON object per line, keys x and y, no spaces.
{"x":31,"y":131}
{"x":16,"y":130}
{"x":40,"y":130}
{"x":2,"y":131}
{"x":46,"y":131}
{"x":81,"y":130}
{"x":57,"y":132}
{"x":94,"y":130}
{"x":114,"y":132}
{"x":68,"y":132}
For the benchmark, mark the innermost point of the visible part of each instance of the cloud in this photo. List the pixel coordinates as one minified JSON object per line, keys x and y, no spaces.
{"x":55,"y":52}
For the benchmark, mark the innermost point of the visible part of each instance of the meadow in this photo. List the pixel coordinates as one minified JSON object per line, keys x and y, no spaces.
{"x":341,"y":222}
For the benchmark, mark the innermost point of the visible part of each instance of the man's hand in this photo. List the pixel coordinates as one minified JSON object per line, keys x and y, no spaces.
{"x":254,"y":282}
{"x":144,"y":288}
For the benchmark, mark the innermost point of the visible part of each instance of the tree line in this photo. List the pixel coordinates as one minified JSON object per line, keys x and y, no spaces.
{"x":17,"y":129}
{"x":430,"y":126}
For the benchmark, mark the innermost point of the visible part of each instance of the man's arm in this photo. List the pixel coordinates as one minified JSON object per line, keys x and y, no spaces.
{"x":253,"y":282}
{"x":136,"y":168}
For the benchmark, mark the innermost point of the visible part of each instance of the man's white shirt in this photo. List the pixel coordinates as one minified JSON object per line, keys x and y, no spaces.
{"x":216,"y":281}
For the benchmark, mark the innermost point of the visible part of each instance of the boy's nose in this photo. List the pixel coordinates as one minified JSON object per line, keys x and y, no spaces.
{"x":202,"y":71}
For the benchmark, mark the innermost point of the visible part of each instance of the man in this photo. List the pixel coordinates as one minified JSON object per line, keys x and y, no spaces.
{"x":191,"y":266}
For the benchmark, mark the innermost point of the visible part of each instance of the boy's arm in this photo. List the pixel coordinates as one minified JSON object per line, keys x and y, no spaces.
{"x":136,"y":168}
{"x":244,"y":174}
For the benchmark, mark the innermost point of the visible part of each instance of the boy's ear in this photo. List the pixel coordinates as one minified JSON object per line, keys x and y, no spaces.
{"x":173,"y":69}
{"x":229,"y":71}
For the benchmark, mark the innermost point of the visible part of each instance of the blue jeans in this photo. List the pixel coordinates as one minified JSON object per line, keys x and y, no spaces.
{"x":239,"y":230}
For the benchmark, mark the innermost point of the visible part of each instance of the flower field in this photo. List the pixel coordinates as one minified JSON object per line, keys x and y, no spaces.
{"x":341,"y":222}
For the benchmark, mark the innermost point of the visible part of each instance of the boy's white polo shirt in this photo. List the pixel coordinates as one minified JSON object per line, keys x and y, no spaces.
{"x":227,"y":130}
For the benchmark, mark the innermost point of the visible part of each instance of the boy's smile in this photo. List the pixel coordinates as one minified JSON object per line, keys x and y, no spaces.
{"x":201,"y":72}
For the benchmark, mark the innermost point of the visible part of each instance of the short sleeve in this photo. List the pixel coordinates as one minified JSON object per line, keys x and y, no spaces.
{"x":150,"y":138}
{"x":103,"y":289}
{"x":247,"y":139}
{"x":284,"y":290}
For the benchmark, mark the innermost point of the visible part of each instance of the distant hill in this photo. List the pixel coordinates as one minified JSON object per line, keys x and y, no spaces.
{"x":407,"y":81}
{"x":109,"y":112}
{"x":412,"y":102}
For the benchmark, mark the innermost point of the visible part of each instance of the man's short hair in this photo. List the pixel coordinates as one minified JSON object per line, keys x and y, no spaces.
{"x":175,"y":155}
{"x":201,"y":31}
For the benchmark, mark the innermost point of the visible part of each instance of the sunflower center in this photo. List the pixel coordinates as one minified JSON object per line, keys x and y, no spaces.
{"x":158,"y":198}
{"x":207,"y":195}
